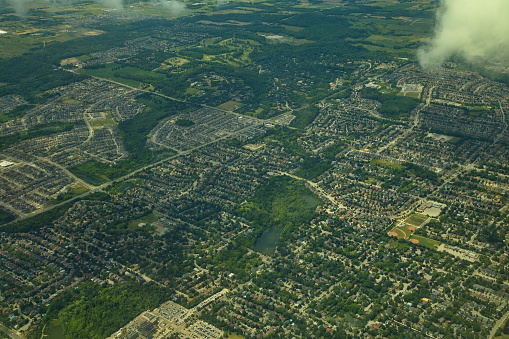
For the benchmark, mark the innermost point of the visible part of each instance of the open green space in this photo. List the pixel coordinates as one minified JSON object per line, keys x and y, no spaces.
{"x":235,"y":336}
{"x":403,"y":231}
{"x":229,"y":105}
{"x":54,"y":331}
{"x":385,"y":163}
{"x":107,"y":122}
{"x":128,"y":75}
{"x":426,"y":242}
{"x":416,"y":219}
{"x":279,"y":207}
{"x":146,"y":220}
{"x":74,"y":191}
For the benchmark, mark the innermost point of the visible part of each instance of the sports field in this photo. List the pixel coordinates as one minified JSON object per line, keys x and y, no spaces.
{"x":403,"y":231}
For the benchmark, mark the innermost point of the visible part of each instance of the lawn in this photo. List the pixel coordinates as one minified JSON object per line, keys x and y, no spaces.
{"x":402,"y":232}
{"x":426,"y":242}
{"x":107,"y":122}
{"x":229,"y":105}
{"x":416,"y":219}
{"x":148,"y":219}
{"x":383,"y":163}
{"x":415,"y":95}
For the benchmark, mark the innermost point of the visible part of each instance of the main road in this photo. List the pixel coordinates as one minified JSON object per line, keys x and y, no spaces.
{"x":10,"y":333}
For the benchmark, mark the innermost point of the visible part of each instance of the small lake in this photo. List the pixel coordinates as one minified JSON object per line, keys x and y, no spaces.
{"x":89,"y":179}
{"x":266,"y":243}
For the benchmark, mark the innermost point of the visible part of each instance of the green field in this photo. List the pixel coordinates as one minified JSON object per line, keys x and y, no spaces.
{"x":148,"y":219}
{"x":426,"y":242}
{"x":235,"y":336}
{"x":76,"y":190}
{"x":229,"y":105}
{"x":384,"y":163}
{"x":107,"y":122}
{"x":416,"y":219}
{"x":402,"y":232}
{"x":127,"y":75}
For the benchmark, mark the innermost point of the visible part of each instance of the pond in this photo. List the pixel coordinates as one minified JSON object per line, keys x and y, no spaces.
{"x":93,"y":181}
{"x":266,"y":243}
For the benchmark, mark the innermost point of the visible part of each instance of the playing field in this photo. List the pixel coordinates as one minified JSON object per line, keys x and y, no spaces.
{"x":430,"y":243}
{"x":416,"y":219}
{"x":402,"y":231}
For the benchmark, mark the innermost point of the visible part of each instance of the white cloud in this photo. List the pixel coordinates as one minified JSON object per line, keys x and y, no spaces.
{"x":473,"y":29}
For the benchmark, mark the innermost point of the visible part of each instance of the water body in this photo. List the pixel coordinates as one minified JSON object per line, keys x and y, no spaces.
{"x":266,"y":243}
{"x":90,"y":180}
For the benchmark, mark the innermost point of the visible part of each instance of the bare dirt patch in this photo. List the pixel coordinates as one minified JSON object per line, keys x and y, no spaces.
{"x":69,"y":61}
{"x":93,"y":32}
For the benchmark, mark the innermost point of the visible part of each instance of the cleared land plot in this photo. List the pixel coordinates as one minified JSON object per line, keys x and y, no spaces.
{"x":107,"y":122}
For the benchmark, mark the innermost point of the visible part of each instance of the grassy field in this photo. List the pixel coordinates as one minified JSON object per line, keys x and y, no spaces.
{"x":235,"y":336}
{"x":229,"y":105}
{"x":174,"y":62}
{"x":148,"y":219}
{"x":75,"y":190}
{"x":416,"y":219}
{"x":107,"y":122}
{"x":119,"y":74}
{"x":383,"y":163}
{"x":430,"y":243}
{"x":402,"y":231}
{"x":415,"y":95}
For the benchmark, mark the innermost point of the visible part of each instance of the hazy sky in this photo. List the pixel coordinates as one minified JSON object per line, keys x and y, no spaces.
{"x":473,"y":29}
{"x":175,"y":6}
